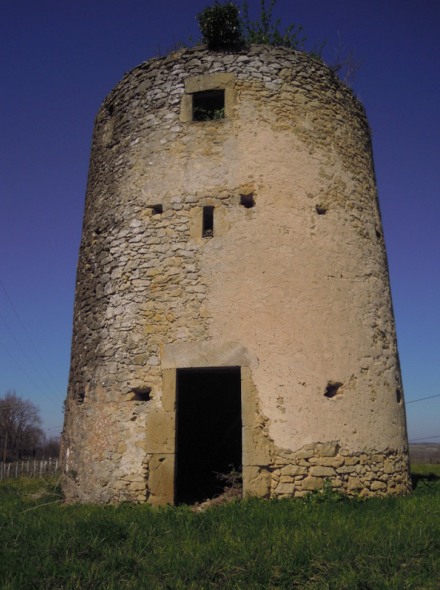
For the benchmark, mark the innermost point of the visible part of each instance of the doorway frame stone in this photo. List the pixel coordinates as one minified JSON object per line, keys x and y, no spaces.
{"x":161,"y":425}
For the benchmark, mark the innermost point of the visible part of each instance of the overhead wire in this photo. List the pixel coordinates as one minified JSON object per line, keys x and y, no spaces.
{"x":421,"y":399}
{"x":32,"y":364}
{"x":425,"y":438}
{"x":26,"y":331}
{"x":24,"y":371}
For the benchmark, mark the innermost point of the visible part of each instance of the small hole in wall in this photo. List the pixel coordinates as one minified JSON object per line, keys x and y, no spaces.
{"x":398,"y":396}
{"x":156,"y":209}
{"x":80,"y":397}
{"x":321,"y":209}
{"x":110,"y":110}
{"x":247,"y":201}
{"x":141,"y":394}
{"x":378,"y":234}
{"x":332,"y":389}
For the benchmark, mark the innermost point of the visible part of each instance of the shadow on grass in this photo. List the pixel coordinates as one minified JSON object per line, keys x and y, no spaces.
{"x":422,"y":480}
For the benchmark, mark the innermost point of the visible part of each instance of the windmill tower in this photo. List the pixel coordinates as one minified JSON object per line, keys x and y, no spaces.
{"x":233,"y":306}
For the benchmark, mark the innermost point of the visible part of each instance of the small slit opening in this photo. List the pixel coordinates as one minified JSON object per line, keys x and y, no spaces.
{"x":208,"y":222}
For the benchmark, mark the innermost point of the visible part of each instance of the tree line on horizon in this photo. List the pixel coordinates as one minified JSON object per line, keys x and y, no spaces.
{"x":21,"y":434}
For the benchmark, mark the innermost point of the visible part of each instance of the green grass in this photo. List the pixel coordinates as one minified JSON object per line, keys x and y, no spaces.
{"x":322,"y":542}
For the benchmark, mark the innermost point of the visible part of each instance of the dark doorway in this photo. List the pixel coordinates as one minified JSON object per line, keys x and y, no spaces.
{"x":208,"y":437}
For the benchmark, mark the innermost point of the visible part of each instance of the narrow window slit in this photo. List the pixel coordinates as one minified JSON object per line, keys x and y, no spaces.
{"x":208,"y":222}
{"x":321,"y":209}
{"x":398,"y":396}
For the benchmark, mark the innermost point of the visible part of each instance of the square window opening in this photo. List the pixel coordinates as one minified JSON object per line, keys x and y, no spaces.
{"x":247,"y":200}
{"x":209,"y":105}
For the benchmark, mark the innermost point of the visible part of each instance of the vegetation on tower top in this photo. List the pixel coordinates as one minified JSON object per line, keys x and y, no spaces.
{"x":223,"y":27}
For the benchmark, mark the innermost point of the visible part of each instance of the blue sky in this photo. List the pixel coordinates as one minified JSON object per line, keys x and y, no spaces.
{"x":58,"y":61}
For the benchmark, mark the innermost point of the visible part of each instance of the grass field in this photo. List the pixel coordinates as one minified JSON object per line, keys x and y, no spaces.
{"x":321,"y":542}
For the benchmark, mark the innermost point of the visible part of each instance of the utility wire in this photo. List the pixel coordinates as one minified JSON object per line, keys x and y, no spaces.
{"x":30,"y":340}
{"x":425,"y":438}
{"x":25,"y":372}
{"x":421,"y":399}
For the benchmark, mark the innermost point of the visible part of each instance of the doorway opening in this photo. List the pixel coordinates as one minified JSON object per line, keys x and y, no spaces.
{"x":208,"y":431}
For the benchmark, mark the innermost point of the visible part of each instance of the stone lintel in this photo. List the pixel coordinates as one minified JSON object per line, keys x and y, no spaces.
{"x":188,"y":355}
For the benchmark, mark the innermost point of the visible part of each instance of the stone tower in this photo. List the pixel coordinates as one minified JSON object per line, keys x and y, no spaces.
{"x":233,"y":307}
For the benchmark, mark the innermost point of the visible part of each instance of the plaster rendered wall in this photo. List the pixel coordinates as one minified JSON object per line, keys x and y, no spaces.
{"x":293,"y":290}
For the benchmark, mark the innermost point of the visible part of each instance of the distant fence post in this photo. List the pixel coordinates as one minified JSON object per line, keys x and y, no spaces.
{"x":28,"y":468}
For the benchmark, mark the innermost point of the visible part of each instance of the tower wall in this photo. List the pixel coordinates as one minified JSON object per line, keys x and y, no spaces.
{"x":292,"y":285}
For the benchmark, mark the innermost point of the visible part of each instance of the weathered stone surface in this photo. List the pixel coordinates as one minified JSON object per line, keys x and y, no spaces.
{"x":319,"y":471}
{"x":312,"y":483}
{"x":327,"y":461}
{"x":257,"y":481}
{"x":292,"y":470}
{"x":284,"y":489}
{"x":354,"y":483}
{"x":327,"y":450}
{"x":304,"y":454}
{"x":351,"y":460}
{"x":290,"y":284}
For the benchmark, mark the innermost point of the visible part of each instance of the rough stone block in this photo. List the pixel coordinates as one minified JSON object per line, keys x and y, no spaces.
{"x":285,"y":489}
{"x":291,"y":470}
{"x":161,"y":479}
{"x":329,"y":449}
{"x":327,"y":461}
{"x":389,"y":466}
{"x":304,"y":454}
{"x":312,"y":483}
{"x":256,"y":446}
{"x":169,"y":390}
{"x":320,"y":471}
{"x":256,"y":481}
{"x":160,"y":432}
{"x":354,"y":483}
{"x":351,"y":460}
{"x":249,"y":412}
{"x":346,"y":469}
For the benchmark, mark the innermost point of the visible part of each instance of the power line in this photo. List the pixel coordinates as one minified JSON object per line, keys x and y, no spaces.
{"x":25,"y":330}
{"x":421,"y":399}
{"x":24,"y":371}
{"x":425,"y":438}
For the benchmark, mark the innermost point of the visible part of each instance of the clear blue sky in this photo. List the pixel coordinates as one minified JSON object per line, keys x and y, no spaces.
{"x":59,"y":59}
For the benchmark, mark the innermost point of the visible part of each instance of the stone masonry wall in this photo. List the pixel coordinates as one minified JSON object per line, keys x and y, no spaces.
{"x":297,"y":283}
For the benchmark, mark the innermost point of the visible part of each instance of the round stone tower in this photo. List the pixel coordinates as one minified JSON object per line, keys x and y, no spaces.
{"x":233,"y":309}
